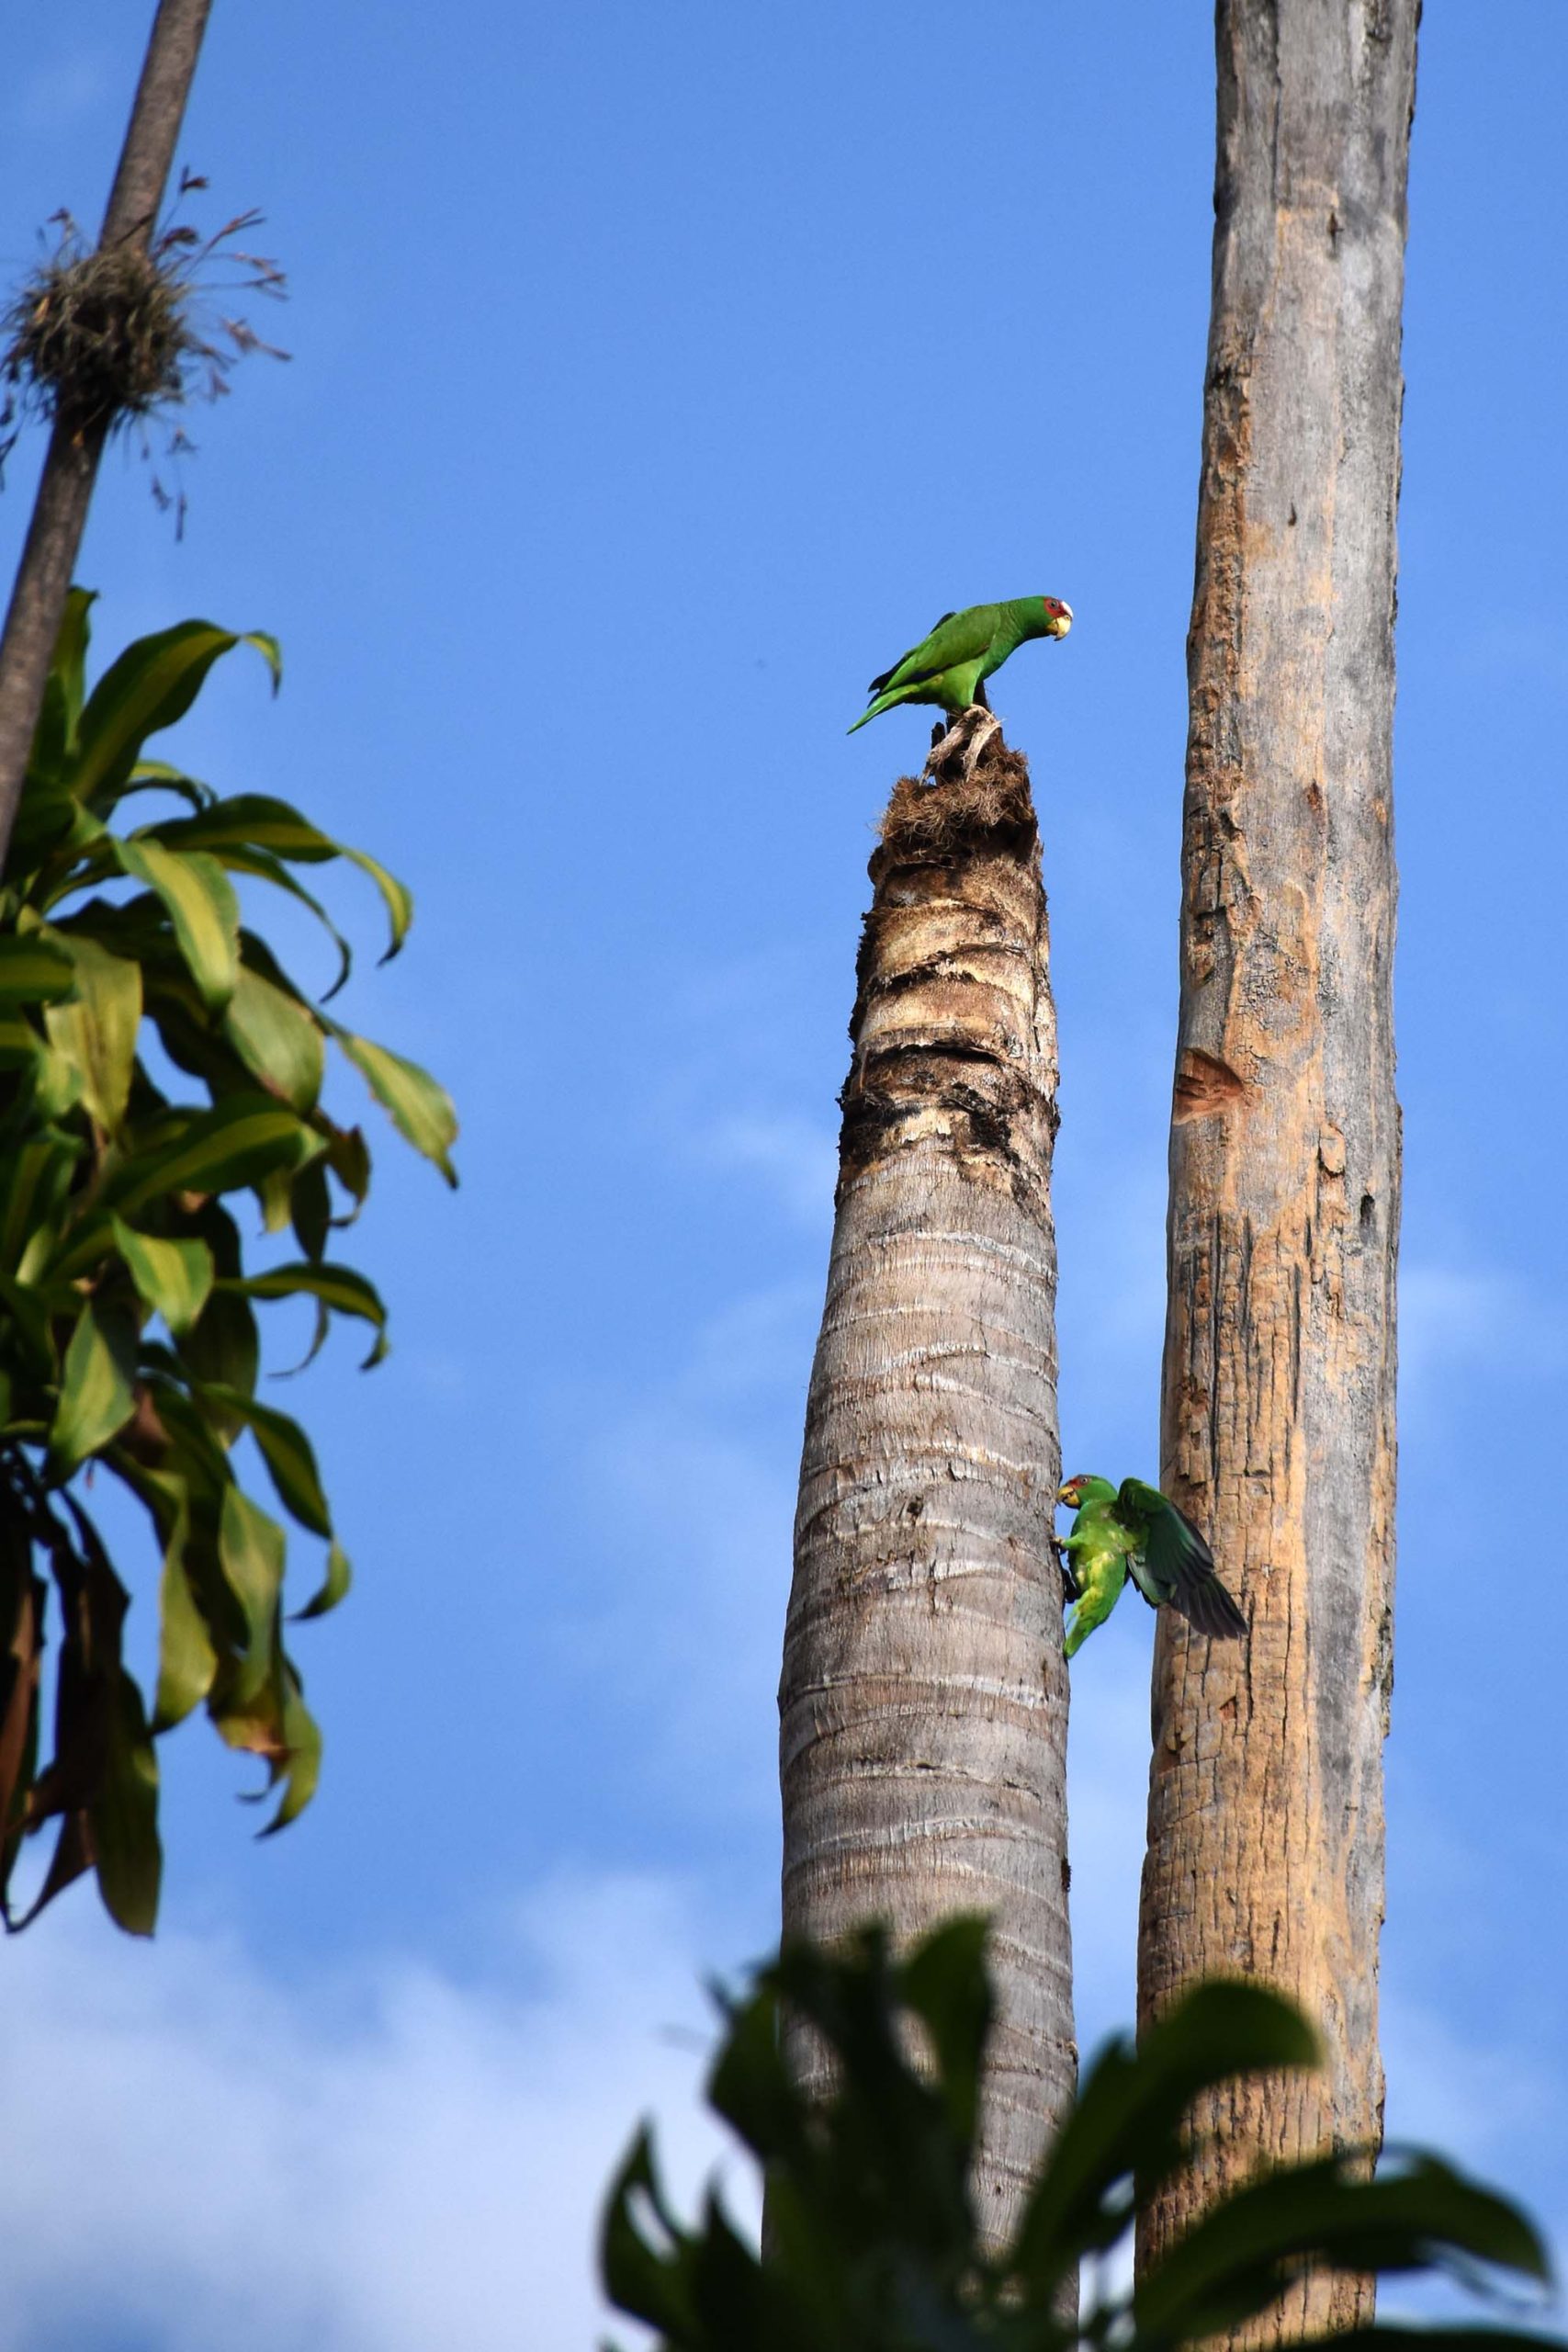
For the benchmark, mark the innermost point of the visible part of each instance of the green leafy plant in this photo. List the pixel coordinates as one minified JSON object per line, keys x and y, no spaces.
{"x":157,"y":1064}
{"x":872,"y":2243}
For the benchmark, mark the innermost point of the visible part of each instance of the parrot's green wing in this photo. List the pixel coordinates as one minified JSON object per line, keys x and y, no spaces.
{"x":957,"y":637}
{"x":1173,"y":1563}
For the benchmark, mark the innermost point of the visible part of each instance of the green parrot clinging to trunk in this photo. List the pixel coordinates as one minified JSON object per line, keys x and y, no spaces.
{"x":951,"y":664}
{"x":1133,"y":1529}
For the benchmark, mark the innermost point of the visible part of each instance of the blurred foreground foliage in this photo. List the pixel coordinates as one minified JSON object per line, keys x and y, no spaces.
{"x":157,"y":1063}
{"x":873,"y":2238}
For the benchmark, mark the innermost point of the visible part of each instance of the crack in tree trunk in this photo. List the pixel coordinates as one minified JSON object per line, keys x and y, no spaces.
{"x":1265,"y":1853}
{"x":924,"y":1701}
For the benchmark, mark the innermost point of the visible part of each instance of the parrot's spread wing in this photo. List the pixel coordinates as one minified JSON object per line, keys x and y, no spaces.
{"x":957,"y":637}
{"x":1174,"y":1563}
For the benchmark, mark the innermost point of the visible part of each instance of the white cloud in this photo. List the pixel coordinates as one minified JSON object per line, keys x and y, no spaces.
{"x":385,"y":2162}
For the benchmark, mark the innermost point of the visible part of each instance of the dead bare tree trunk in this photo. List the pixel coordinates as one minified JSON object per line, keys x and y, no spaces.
{"x":1266,"y":1826}
{"x":924,"y":1697}
{"x":71,"y":468}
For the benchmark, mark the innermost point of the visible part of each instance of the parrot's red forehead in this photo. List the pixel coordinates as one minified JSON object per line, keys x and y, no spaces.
{"x":1081,"y":1480}
{"x":1053,"y":605}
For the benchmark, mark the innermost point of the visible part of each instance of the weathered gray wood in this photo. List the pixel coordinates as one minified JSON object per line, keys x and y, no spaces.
{"x":1266,"y":1837}
{"x":924,"y":1698}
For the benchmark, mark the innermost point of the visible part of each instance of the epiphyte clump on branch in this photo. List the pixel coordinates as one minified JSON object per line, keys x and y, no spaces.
{"x":1135,"y":1529}
{"x":950,"y":666}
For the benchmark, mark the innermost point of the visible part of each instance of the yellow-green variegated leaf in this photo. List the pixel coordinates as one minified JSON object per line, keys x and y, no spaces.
{"x":333,"y":1586}
{"x":236,"y":1143}
{"x":253,"y":821}
{"x":54,"y":738}
{"x":339,"y":1288}
{"x":173,"y":1277}
{"x":33,"y":969}
{"x":199,"y":899}
{"x":276,"y":1038}
{"x":123,"y":1816}
{"x":186,"y":1658}
{"x":422,"y":1110}
{"x":300,"y":1766}
{"x":285,"y":1448}
{"x":153,"y":682}
{"x":96,"y":1032}
{"x":397,"y":898}
{"x":95,"y":1394}
{"x":19,"y":1041}
{"x":251,"y":1548}
{"x":34,"y":1180}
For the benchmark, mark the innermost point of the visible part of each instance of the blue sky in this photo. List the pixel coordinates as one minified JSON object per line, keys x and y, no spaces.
{"x":657,"y":376}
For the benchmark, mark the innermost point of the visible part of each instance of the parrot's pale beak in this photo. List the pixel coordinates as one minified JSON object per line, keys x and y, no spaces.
{"x":1064,"y":621}
{"x":1067,"y":1494}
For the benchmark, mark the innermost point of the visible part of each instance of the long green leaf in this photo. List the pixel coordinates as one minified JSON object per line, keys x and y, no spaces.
{"x":300,"y":1766}
{"x":153,"y":682}
{"x":238,"y":1141}
{"x":33,"y":969}
{"x":331,"y":1588}
{"x":251,"y":1547}
{"x":158,"y":775}
{"x":276,"y":1038}
{"x":36,"y":1177}
{"x":123,"y":1816}
{"x":56,"y":735}
{"x":1425,"y":2216}
{"x":286,"y":1449}
{"x":19,"y":1041}
{"x":338,"y":1287}
{"x":254,"y":819}
{"x":268,"y":868}
{"x":96,"y":1030}
{"x":1130,"y":2105}
{"x":173,"y":1277}
{"x":422,"y":1110}
{"x":200,"y":902}
{"x":187,"y":1661}
{"x":96,"y":1392}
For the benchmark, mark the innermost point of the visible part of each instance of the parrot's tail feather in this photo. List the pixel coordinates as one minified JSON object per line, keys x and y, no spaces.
{"x":1209,"y":1607}
{"x":882,"y":703}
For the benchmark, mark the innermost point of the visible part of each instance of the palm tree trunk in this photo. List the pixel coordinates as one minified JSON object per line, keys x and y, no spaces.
{"x":1265,"y":1825}
{"x":924,"y":1698}
{"x":71,"y":468}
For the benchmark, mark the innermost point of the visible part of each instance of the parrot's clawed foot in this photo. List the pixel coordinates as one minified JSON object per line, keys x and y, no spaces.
{"x":962,"y":744}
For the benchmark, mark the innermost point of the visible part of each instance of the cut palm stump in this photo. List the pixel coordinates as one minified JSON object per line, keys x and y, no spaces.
{"x":924,"y":1696}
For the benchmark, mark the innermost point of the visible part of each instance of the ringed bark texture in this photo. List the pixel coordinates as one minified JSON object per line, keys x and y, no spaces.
{"x":924,"y":1697}
{"x":1266,"y":1828}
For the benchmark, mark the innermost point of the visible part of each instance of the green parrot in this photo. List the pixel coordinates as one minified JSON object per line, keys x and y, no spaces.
{"x":1136,"y":1527}
{"x":950,"y":665}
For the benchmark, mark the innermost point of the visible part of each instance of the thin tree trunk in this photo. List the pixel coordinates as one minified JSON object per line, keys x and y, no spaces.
{"x":924,"y":1698}
{"x":1265,"y":1825}
{"x":71,"y":467}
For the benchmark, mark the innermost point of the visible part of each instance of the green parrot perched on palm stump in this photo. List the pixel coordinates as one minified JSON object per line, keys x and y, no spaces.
{"x":1134,"y":1530}
{"x":950,"y":667}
